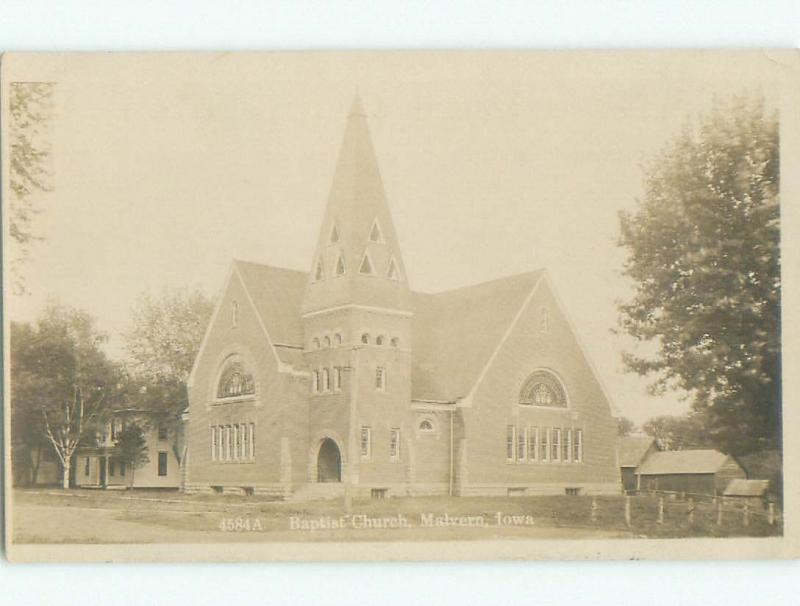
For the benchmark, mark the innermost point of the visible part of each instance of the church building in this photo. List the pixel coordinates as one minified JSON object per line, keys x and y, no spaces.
{"x":308,"y":383}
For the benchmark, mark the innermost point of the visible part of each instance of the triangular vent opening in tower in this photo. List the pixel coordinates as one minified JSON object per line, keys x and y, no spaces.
{"x":375,"y":234}
{"x":366,"y":265}
{"x":334,"y":237}
{"x":393,"y":273}
{"x":318,"y":273}
{"x":339,"y":270}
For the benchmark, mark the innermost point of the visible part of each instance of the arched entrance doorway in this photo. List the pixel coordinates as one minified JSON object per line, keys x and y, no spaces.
{"x":329,"y":462}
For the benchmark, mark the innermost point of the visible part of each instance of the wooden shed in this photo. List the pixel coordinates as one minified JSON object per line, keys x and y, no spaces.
{"x":690,"y":471}
{"x":751,"y":492}
{"x":633,"y":450}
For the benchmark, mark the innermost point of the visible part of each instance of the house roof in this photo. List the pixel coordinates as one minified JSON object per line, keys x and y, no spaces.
{"x":746,"y":488}
{"x":632,"y":450}
{"x":683,"y":462}
{"x":454,"y":332}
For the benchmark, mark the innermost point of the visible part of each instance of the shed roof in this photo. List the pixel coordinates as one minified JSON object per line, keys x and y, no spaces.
{"x":683,"y":462}
{"x":746,"y":488}
{"x":632,"y":450}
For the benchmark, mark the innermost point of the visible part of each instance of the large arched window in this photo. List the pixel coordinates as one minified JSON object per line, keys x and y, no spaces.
{"x":235,"y":381}
{"x":542,"y":388}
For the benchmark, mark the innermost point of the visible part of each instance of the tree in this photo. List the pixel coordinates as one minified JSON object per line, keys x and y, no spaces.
{"x":63,"y":384}
{"x":30,"y":105}
{"x":131,"y":447}
{"x":678,"y":432}
{"x":162,"y":343}
{"x":625,"y":426}
{"x":703,"y":252}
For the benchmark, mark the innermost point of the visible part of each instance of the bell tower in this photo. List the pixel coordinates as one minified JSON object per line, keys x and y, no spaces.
{"x":357,"y":312}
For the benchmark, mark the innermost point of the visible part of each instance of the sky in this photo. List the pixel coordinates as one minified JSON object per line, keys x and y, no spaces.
{"x":167,"y":167}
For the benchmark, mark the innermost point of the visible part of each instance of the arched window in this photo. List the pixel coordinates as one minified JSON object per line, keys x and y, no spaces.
{"x":315,"y":343}
{"x":314,"y":381}
{"x":235,"y":381}
{"x":326,"y":380}
{"x":326,"y":342}
{"x":542,"y":388}
{"x":426,"y":426}
{"x":395,"y":342}
{"x":337,"y":340}
{"x":235,"y":314}
{"x":365,"y":338}
{"x":379,"y":340}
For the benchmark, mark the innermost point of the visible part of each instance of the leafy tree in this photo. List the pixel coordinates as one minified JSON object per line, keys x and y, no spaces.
{"x":703,"y":251}
{"x":63,"y":384}
{"x":678,"y":432}
{"x":625,"y":426}
{"x":131,"y":447}
{"x":30,"y":105}
{"x":162,"y":342}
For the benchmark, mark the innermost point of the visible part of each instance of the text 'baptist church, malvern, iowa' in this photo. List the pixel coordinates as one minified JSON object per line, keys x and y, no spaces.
{"x":307,"y":382}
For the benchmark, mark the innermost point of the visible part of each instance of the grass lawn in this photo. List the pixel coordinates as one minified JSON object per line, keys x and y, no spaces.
{"x":94,"y":516}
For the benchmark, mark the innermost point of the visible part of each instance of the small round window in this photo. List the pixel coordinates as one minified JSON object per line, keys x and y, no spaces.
{"x":337,"y":339}
{"x":426,"y":426}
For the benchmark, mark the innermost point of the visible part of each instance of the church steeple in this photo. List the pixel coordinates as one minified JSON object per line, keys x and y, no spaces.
{"x":357,"y":259}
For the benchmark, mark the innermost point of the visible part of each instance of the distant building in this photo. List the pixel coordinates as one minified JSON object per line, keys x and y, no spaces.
{"x":689,"y":471}
{"x":100,"y":466}
{"x":307,"y":381}
{"x":633,"y":450}
{"x":751,"y":492}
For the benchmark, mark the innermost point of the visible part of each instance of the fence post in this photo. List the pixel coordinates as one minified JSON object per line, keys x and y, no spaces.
{"x":660,"y":510}
{"x":594,"y":509}
{"x":771,"y":514}
{"x":691,"y":510}
{"x":628,"y":511}
{"x":746,"y":515}
{"x":719,"y":512}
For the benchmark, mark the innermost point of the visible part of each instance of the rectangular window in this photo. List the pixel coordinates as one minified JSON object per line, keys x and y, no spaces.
{"x":577,"y":447}
{"x":337,"y":378}
{"x":366,"y":442}
{"x":122,"y":468}
{"x":162,"y":432}
{"x":566,"y":451}
{"x":380,"y":379}
{"x":86,"y":467}
{"x":556,"y":445}
{"x":245,"y":441}
{"x":394,"y":443}
{"x":239,"y":452}
{"x":228,"y":449}
{"x":544,"y":446}
{"x":533,"y":443}
{"x":522,"y":444}
{"x":112,"y":467}
{"x":314,"y":381}
{"x":213,"y":443}
{"x":511,"y":437}
{"x":162,"y":463}
{"x":252,"y":429}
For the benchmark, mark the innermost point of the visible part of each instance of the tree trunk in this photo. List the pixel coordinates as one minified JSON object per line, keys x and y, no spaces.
{"x":65,"y":477}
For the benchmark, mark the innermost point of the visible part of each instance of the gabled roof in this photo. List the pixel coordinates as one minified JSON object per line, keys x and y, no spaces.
{"x":455,"y":332}
{"x":683,"y":462}
{"x":277,"y":294}
{"x":746,"y":488}
{"x":632,"y":450}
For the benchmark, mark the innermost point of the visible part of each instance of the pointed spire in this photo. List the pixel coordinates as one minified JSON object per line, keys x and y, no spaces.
{"x":358,"y":214}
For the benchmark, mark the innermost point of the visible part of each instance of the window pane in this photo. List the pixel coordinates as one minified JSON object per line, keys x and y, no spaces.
{"x":510,"y":435}
{"x":522,"y":444}
{"x":162,"y":463}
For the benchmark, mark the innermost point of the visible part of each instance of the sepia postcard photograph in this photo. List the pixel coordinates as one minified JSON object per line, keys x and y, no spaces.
{"x":397,"y":305}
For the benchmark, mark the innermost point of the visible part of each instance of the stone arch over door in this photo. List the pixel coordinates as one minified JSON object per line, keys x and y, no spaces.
{"x":327,"y":444}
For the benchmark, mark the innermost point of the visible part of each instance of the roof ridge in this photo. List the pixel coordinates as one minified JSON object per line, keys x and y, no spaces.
{"x":506,"y":278}
{"x":268,"y":265}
